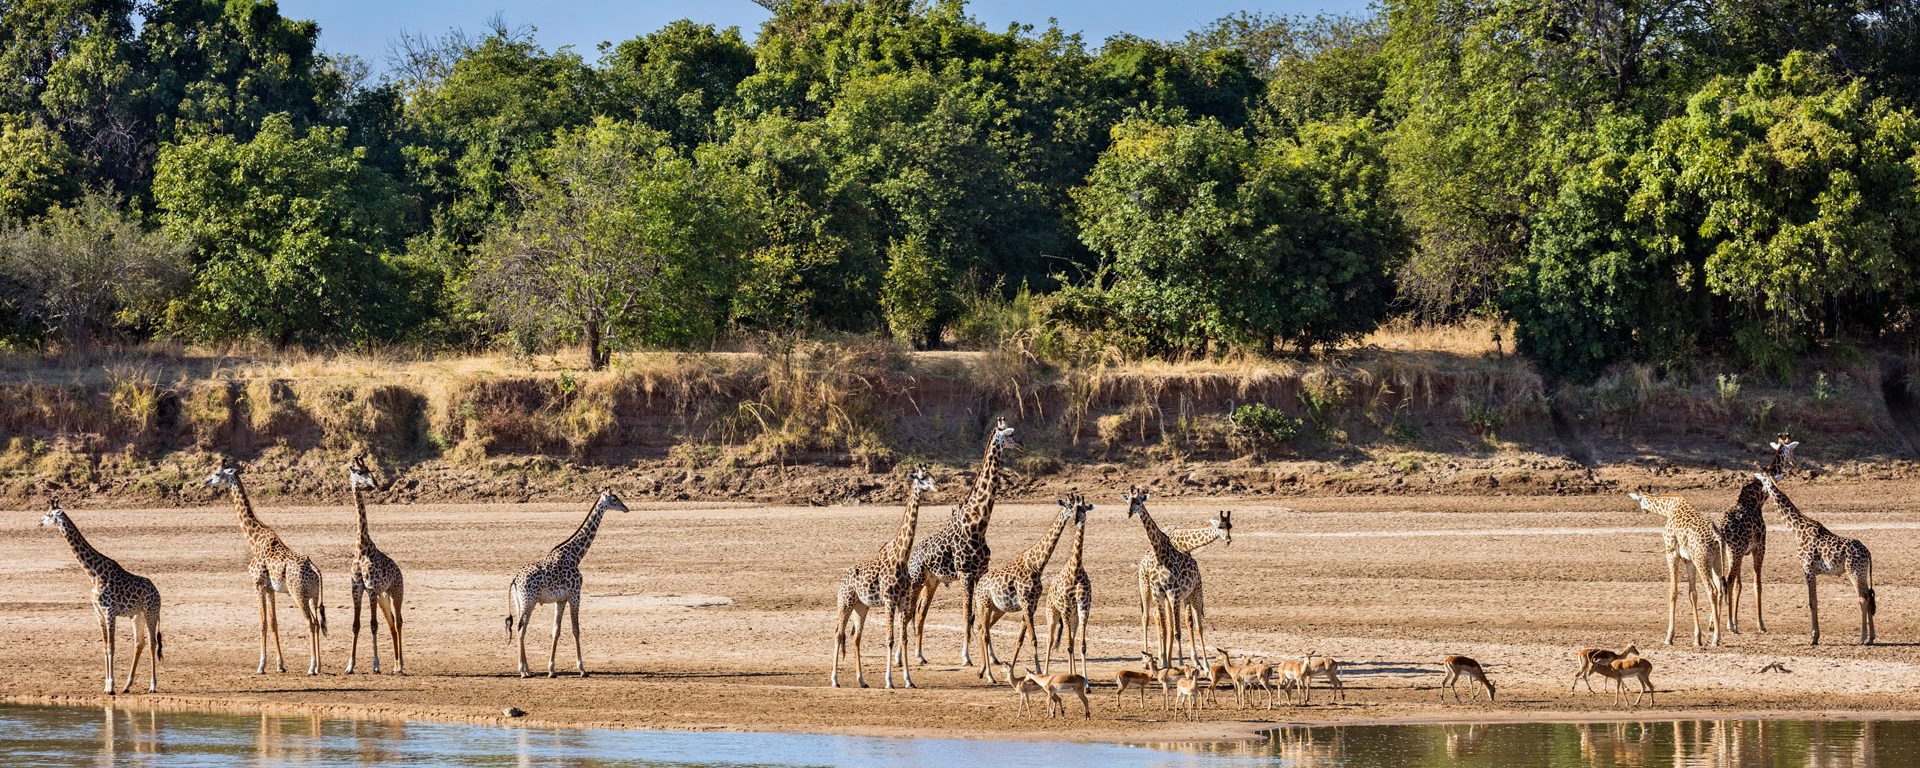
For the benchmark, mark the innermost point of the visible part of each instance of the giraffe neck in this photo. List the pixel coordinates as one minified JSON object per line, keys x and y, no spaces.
{"x":90,"y":558}
{"x":575,"y":547}
{"x":1806,"y":527}
{"x":1752,"y":496}
{"x":258,"y":533}
{"x":979,"y":503}
{"x":360,"y":503}
{"x":1190,"y":539}
{"x":1162,"y":546}
{"x":1076,"y":556}
{"x":903,"y":541}
{"x":1036,"y":557}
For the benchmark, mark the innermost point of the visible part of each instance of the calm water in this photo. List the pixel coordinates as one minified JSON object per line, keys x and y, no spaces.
{"x":64,"y":736}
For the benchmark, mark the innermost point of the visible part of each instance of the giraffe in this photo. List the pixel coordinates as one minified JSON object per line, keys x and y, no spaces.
{"x":881,"y":582}
{"x":958,"y":551}
{"x":1744,"y":530}
{"x":1070,"y":597}
{"x":1825,"y":552}
{"x":556,"y":579}
{"x":116,"y":593}
{"x":275,"y":569}
{"x":1173,"y":576}
{"x":375,"y":576}
{"x":1016,"y":586}
{"x":1220,"y":528}
{"x":1690,"y":537}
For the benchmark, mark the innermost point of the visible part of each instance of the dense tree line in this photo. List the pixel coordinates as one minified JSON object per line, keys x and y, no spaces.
{"x":1626,"y":181}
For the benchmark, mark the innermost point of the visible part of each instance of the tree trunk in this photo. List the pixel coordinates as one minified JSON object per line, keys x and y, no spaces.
{"x":596,"y":347}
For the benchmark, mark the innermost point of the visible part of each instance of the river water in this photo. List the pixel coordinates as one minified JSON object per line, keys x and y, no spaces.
{"x":69,"y":736}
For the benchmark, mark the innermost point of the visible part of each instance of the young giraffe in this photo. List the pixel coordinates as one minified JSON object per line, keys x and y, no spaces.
{"x":1070,"y":598}
{"x":1690,"y":536}
{"x":1173,"y":575}
{"x":880,"y":582}
{"x":958,"y":551}
{"x":275,"y":568}
{"x":1016,"y":586}
{"x":1744,"y":530}
{"x":1825,"y":552}
{"x":116,"y":593}
{"x":556,"y":579}
{"x":1185,"y":540}
{"x":375,"y":576}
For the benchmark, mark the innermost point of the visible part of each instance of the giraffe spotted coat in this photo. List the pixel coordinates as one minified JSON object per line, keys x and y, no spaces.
{"x":116,"y":592}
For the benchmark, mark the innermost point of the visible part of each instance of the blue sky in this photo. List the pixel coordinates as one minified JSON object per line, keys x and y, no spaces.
{"x":364,"y":27}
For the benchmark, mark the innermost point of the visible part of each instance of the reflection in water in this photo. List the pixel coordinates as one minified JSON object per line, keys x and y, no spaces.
{"x":55,"y":736}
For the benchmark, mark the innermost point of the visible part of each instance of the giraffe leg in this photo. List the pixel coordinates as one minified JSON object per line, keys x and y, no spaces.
{"x":263,"y":633}
{"x":859,"y":636}
{"x":1693,"y":594}
{"x":579,"y":654}
{"x":840,"y":626}
{"x":1031,"y":630}
{"x":1673,"y":592}
{"x":1144,"y":598}
{"x":1813,"y":605}
{"x":273,"y":625}
{"x":373,"y":630}
{"x":989,"y":616}
{"x":969,"y":586}
{"x":139,"y":644}
{"x":1759,"y":602}
{"x":353,"y":652}
{"x":1200,"y":624}
{"x":1081,"y":632}
{"x":554,"y":651}
{"x":395,"y":599}
{"x":106,"y":640}
{"x":308,"y":605}
{"x":1055,"y":625}
{"x":526,"y":617}
{"x":892,"y":608}
{"x":925,"y":601}
{"x":1732,"y":591}
{"x":906,"y":670}
{"x":153,"y":643}
{"x":1860,"y":588}
{"x":1716,"y":599}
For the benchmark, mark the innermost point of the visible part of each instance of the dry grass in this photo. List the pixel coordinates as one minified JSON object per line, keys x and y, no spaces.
{"x":1472,"y":337}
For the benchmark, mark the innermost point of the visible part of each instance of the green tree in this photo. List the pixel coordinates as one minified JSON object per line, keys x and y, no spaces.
{"x":69,"y":64}
{"x":224,"y":66}
{"x":36,"y":168}
{"x":1212,"y":241}
{"x":292,"y":233}
{"x":677,"y":78}
{"x":917,"y":292}
{"x":1810,"y":189}
{"x":617,"y":240}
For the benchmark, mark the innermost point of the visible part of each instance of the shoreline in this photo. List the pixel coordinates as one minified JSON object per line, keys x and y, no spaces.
{"x":1182,"y":733}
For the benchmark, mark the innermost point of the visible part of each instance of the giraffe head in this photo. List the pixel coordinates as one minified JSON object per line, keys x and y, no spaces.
{"x":1136,"y":500}
{"x":609,"y":501}
{"x":1081,"y":508}
{"x":358,"y":474}
{"x":1224,"y":525}
{"x":227,"y":476}
{"x":1782,"y":446}
{"x":1072,"y":508}
{"x":55,"y":516}
{"x":921,"y":480}
{"x":1003,"y":435}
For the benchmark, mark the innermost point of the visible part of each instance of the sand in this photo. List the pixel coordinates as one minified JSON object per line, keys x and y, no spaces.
{"x":712,"y":615}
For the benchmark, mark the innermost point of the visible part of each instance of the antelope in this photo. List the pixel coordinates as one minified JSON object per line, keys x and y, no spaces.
{"x":1461,"y":666}
{"x":1132,"y":678}
{"x":1053,"y":685}
{"x":1250,"y":672}
{"x":1189,"y":696}
{"x":1024,"y":687}
{"x":1620,"y":669}
{"x":1592,"y":658}
{"x":1296,"y":673}
{"x":1329,"y":668}
{"x":1167,"y":676}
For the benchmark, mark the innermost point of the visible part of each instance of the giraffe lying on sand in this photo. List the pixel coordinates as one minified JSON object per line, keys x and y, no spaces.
{"x":275,"y":569}
{"x":116,"y":593}
{"x":556,"y":579}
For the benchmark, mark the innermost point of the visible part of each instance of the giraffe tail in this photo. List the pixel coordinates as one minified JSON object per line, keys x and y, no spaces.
{"x":159,"y":645}
{"x":1873,"y":606}
{"x":319,"y":592}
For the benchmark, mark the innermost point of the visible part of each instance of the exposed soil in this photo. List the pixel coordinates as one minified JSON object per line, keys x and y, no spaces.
{"x":716,"y":615}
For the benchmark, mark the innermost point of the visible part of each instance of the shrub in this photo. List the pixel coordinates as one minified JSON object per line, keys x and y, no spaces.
{"x":1263,"y":427}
